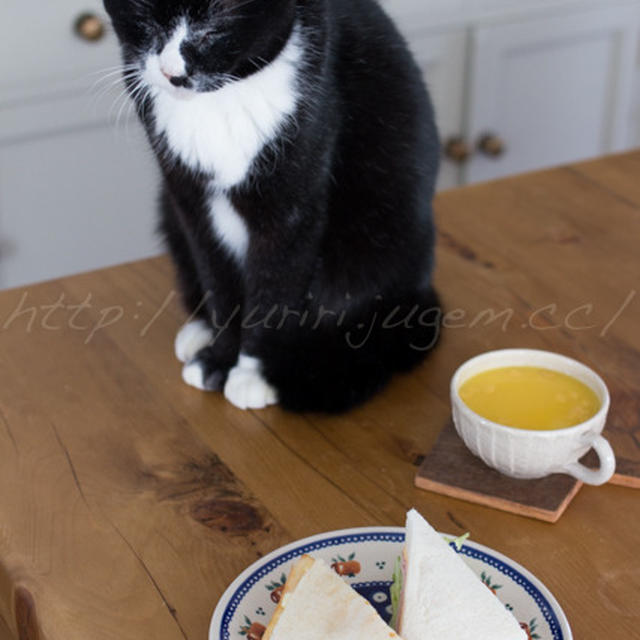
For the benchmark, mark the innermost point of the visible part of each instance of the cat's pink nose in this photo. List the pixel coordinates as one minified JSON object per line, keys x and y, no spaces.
{"x":176,"y":80}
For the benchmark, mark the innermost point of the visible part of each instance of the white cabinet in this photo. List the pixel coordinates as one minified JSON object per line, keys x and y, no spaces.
{"x":442,"y":58}
{"x":545,"y":82}
{"x":41,"y":53}
{"x":554,"y":90}
{"x":556,"y":80}
{"x":76,"y":192}
{"x":73,"y":201}
{"x":74,"y":197}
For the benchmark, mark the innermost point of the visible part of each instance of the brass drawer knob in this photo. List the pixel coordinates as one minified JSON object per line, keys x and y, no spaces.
{"x":90,"y":27}
{"x":492,"y":145}
{"x":457,"y":150}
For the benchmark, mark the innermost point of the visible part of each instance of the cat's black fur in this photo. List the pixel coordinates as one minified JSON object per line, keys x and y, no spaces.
{"x":338,"y":207}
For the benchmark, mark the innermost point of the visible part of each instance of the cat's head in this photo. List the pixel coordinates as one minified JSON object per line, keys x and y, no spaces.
{"x":186,"y":46}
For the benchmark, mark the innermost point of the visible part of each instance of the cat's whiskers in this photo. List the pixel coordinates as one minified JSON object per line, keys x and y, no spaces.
{"x":119,"y":100}
{"x":112,"y":77}
{"x":128,"y":106}
{"x":117,"y":68}
{"x":144,"y":102}
{"x":139,"y":95}
{"x":113,"y":67}
{"x":111,"y":80}
{"x":114,"y":82}
{"x":129,"y":101}
{"x":142,"y":99}
{"x":110,"y":72}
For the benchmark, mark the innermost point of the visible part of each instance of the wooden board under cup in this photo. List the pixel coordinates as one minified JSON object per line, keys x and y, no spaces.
{"x":452,"y":470}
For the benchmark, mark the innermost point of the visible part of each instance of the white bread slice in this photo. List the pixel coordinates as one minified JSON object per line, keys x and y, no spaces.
{"x":443,"y":599}
{"x":318,"y":605}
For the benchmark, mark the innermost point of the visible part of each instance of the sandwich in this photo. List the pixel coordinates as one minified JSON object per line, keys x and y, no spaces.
{"x":436,"y":595}
{"x":317,"y":604}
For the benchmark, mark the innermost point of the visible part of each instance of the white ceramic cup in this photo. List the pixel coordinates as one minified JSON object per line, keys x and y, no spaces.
{"x":525,"y":453}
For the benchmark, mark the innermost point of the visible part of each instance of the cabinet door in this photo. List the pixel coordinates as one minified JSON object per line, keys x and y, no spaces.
{"x":75,"y":200}
{"x":442,"y":58}
{"x":42,"y":52}
{"x":553,"y":90}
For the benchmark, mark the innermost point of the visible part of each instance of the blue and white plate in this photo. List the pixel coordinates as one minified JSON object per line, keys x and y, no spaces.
{"x":366,"y":558}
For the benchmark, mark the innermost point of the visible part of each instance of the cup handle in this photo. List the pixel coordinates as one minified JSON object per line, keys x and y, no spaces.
{"x":601,"y":475}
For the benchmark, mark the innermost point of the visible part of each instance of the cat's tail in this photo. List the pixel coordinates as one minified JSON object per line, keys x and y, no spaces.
{"x":336,"y":366}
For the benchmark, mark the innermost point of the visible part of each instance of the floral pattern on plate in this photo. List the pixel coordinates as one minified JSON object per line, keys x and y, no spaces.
{"x":365,"y":558}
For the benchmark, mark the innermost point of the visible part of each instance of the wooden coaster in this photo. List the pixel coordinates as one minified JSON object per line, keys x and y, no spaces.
{"x":452,"y":470}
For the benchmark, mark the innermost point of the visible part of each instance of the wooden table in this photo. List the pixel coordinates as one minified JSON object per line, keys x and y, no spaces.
{"x":129,"y":501}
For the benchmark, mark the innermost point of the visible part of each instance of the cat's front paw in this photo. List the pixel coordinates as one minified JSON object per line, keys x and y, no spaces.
{"x":204,"y":372}
{"x":246,"y":388}
{"x":192,"y":337}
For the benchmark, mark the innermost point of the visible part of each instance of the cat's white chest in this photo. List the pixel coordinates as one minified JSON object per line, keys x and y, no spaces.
{"x":223,"y":132}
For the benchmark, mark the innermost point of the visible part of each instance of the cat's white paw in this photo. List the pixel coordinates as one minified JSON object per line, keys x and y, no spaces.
{"x":193,"y":374}
{"x":246,"y":388}
{"x":192,"y":337}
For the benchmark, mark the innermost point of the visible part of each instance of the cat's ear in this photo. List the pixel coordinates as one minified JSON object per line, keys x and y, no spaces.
{"x":112,"y":6}
{"x":123,"y":6}
{"x":128,"y":10}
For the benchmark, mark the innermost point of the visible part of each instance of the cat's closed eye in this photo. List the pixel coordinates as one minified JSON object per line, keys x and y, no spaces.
{"x":207,"y":38}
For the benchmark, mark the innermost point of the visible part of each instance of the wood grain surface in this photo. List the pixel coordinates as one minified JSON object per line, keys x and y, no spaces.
{"x":452,"y":470}
{"x":560,"y":250}
{"x":129,"y":501}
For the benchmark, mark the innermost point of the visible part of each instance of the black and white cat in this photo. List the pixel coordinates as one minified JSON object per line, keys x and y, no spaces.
{"x":299,"y":155}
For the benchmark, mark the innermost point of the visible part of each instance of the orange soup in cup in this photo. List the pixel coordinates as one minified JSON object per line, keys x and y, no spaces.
{"x":530,"y":398}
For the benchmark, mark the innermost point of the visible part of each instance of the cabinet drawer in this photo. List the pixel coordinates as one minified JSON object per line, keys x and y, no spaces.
{"x":552,"y":91}
{"x":66,"y":112}
{"x":75,"y":201}
{"x":41,"y":53}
